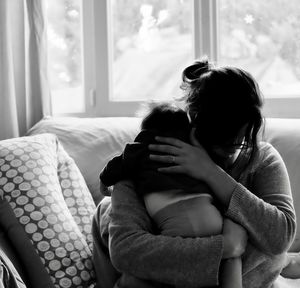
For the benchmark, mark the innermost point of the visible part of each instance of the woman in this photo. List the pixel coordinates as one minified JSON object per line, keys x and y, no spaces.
{"x":247,"y":177}
{"x":178,"y":205}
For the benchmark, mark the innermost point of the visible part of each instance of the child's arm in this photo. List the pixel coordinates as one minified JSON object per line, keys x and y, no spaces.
{"x":112,"y":172}
{"x":231,"y":273}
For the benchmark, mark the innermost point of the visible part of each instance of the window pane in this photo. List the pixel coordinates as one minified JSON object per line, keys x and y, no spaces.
{"x":263,"y":37}
{"x":152,"y":43}
{"x":65,"y":55}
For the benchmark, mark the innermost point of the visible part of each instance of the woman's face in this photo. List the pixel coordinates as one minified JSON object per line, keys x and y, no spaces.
{"x":226,"y":154}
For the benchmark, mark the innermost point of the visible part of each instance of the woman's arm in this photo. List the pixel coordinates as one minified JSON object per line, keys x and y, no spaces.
{"x":267,"y":211}
{"x":135,"y":250}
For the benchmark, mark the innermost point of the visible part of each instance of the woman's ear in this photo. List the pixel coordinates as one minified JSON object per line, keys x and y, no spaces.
{"x":191,"y":116}
{"x":193,"y":139}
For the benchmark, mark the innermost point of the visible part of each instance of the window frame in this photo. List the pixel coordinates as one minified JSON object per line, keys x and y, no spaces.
{"x":97,"y":58}
{"x":103,"y":39}
{"x":104,"y":106}
{"x":285,"y":107}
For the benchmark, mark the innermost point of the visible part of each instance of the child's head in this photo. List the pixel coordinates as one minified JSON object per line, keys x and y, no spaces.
{"x":221,"y":103}
{"x":166,"y":118}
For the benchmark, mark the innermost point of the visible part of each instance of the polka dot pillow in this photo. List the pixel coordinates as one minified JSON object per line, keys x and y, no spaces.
{"x":50,"y":200}
{"x":76,"y":194}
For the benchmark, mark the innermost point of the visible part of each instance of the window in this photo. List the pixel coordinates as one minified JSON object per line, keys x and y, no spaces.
{"x":263,"y":37}
{"x":65,"y":55}
{"x":264,"y":42}
{"x":107,"y":56}
{"x":146,"y":46}
{"x":69,"y":55}
{"x":152,"y":43}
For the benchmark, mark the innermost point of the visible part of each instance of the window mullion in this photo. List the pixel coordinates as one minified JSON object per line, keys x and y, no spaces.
{"x":88,"y":48}
{"x":206,"y":29}
{"x":103,"y":55}
{"x":103,"y":43}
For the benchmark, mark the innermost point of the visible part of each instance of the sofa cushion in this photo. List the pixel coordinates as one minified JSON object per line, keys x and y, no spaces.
{"x":38,"y":178}
{"x":284,"y":135}
{"x":91,"y":142}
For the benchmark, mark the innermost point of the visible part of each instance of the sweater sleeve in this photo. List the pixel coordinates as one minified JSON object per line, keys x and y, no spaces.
{"x":135,"y":250}
{"x":267,"y":211}
{"x":112,"y":172}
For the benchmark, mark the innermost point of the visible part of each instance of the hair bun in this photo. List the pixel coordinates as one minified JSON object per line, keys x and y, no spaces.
{"x":194,"y":71}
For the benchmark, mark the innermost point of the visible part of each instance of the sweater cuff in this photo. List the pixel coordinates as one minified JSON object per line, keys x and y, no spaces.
{"x":214,"y":262}
{"x":234,"y":208}
{"x":210,"y":268}
{"x":216,"y":259}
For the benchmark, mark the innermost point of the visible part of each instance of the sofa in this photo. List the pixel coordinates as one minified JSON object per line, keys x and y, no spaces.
{"x":49,"y":188}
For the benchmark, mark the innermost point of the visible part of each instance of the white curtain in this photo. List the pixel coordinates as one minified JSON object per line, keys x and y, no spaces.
{"x":24,"y":90}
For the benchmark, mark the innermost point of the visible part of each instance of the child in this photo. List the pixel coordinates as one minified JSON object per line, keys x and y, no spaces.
{"x":179,"y":206}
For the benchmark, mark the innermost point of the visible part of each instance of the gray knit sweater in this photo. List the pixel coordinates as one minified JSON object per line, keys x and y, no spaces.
{"x":261,"y":202}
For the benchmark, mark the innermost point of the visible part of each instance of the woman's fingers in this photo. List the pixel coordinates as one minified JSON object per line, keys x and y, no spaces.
{"x":171,"y":169}
{"x":164,"y":158}
{"x":168,"y":149}
{"x":172,"y":141}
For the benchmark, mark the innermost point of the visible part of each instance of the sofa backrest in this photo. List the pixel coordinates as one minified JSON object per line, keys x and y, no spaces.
{"x":284,"y":135}
{"x":91,"y":142}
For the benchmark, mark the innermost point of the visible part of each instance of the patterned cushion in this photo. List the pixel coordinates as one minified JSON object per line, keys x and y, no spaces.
{"x":91,"y":142}
{"x":50,"y":199}
{"x":76,"y":194}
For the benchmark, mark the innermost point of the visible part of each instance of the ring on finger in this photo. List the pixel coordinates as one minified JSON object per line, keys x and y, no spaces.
{"x":173,"y":159}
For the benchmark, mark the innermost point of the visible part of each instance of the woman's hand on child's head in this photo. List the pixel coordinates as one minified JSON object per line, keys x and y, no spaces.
{"x":187,"y":159}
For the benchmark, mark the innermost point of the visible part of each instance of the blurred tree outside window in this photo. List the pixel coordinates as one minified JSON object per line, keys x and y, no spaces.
{"x":152,"y":42}
{"x":65,"y":55}
{"x":263,"y":37}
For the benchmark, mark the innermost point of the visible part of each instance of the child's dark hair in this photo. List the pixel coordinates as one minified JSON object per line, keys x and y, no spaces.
{"x":221,"y":101}
{"x":168,"y":119}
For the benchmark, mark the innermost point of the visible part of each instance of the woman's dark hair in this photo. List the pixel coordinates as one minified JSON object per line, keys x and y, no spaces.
{"x":220,"y":102}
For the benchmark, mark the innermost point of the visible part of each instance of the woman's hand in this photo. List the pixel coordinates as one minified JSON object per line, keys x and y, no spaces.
{"x":235,"y":239}
{"x":188,"y":159}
